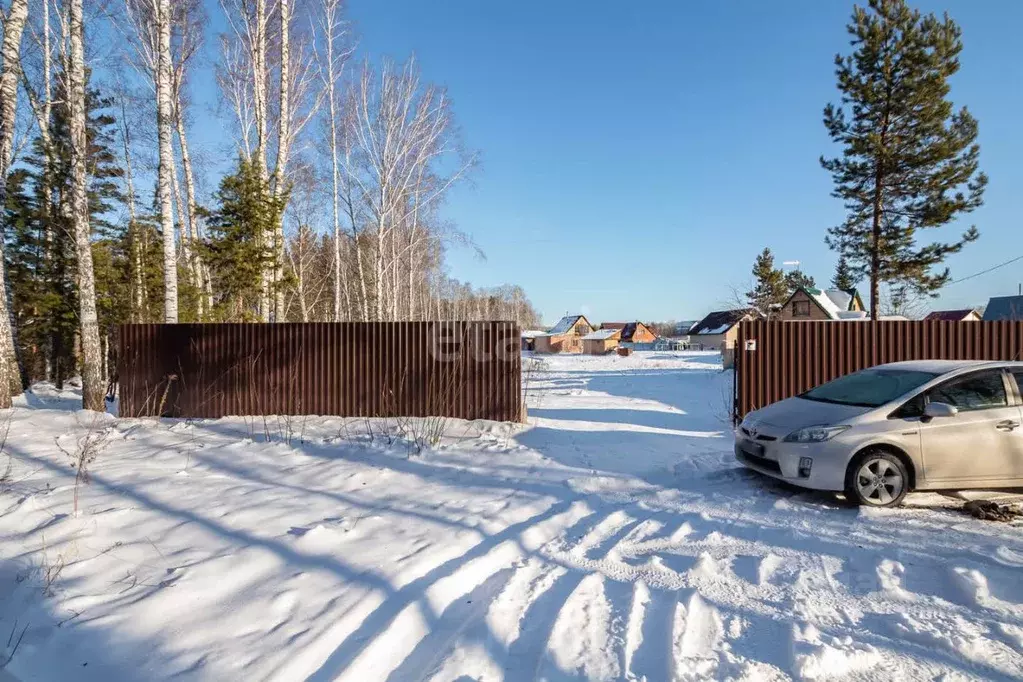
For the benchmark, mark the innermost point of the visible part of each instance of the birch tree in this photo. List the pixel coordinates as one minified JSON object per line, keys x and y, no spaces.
{"x":334,"y":31}
{"x":139,"y":294}
{"x":14,"y":27}
{"x":283,"y":151}
{"x":245,"y":82}
{"x":150,"y":22}
{"x":92,"y":356}
{"x":403,"y":137}
{"x":186,"y":38}
{"x":164,"y":123}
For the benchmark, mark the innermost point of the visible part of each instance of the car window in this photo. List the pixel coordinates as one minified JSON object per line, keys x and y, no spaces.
{"x":869,"y":387}
{"x":980,"y":391}
{"x":914,"y":407}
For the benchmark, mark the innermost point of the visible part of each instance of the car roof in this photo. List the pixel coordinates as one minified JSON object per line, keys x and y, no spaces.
{"x":947,"y":366}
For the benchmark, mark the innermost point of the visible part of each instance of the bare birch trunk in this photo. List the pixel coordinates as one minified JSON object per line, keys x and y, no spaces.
{"x":359,"y":259}
{"x":330,"y":22}
{"x":259,"y":106}
{"x":92,"y":355}
{"x":137,"y":276}
{"x":195,"y":265}
{"x":348,"y":308}
{"x":164,"y":121}
{"x":378,"y":304}
{"x":283,"y":151}
{"x":184,"y":238}
{"x":10,"y":70}
{"x":394,"y":278}
{"x":44,"y":124}
{"x":298,"y":264}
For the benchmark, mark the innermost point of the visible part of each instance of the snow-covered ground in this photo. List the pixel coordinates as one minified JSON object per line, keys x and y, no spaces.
{"x":612,"y":537}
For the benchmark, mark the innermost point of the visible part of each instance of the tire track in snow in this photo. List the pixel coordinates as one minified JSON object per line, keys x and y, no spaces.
{"x":581,"y":645}
{"x":463,"y":613}
{"x":649,"y":634}
{"x":391,"y":632}
{"x":526,"y":654}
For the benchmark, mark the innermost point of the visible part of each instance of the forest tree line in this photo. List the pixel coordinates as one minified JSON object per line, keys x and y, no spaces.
{"x":330,"y":209}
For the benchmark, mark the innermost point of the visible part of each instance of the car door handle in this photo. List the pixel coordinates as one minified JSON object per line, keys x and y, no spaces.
{"x":1007,"y":425}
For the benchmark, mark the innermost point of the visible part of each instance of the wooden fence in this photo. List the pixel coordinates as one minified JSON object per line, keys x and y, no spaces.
{"x":468,"y":370}
{"x":777,"y":360}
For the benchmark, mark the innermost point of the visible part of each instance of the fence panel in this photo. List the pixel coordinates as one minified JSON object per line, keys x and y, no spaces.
{"x":467,"y":370}
{"x":792,"y":357}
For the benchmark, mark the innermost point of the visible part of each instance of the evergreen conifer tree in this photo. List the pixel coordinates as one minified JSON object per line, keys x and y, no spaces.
{"x":843,"y":278}
{"x":41,"y":252}
{"x":235,"y":247}
{"x":909,"y":161}
{"x":797,"y":279}
{"x":769,"y":290}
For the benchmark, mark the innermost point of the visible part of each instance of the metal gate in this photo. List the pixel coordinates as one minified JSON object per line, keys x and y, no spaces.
{"x":775,"y":360}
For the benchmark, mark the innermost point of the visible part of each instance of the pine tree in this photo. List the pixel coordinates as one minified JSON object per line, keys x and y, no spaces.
{"x":909,"y":162}
{"x":770,"y":289}
{"x":843,"y":278}
{"x":235,"y":249}
{"x":41,"y":250}
{"x":797,"y":279}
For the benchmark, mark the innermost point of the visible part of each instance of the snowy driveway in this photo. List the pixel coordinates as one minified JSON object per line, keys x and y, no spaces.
{"x":612,"y":537}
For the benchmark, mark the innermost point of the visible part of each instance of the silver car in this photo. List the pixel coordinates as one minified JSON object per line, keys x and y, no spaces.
{"x":881,"y":432}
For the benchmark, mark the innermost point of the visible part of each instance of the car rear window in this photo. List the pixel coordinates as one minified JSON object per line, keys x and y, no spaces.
{"x":869,"y":387}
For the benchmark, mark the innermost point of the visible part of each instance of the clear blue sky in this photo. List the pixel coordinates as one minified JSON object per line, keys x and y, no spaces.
{"x":637,"y":156}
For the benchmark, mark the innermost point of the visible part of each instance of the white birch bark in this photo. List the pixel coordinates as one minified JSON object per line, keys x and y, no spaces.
{"x":195,"y":265}
{"x":257,"y":47}
{"x":283,"y":152}
{"x":10,"y":70}
{"x":331,"y":11}
{"x":164,"y":122}
{"x":93,"y":387}
{"x":137,"y":280}
{"x":333,"y":30}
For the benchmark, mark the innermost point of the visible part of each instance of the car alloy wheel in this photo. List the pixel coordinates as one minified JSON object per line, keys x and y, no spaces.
{"x":879,"y":481}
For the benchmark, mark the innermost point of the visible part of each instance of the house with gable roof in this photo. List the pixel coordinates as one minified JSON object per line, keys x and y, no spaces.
{"x":809,"y":303}
{"x":564,"y":337}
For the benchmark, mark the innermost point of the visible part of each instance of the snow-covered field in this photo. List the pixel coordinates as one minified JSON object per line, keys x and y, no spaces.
{"x":612,"y":537}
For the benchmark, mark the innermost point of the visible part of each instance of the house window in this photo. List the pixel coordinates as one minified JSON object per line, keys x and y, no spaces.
{"x":800,"y":309}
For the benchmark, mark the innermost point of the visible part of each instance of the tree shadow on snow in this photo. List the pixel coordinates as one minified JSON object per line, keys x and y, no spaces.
{"x":799,"y":525}
{"x":41,"y":637}
{"x":397,"y":599}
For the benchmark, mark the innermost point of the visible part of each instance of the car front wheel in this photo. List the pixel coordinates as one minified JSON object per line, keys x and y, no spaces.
{"x":877,"y":478}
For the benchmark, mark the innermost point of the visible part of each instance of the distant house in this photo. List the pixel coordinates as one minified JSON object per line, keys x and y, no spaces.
{"x":1004,"y":308}
{"x":564,"y":337}
{"x":965,"y":315}
{"x":809,"y":303}
{"x":529,"y":337}
{"x":632,"y":332}
{"x":718,"y":331}
{"x":682,"y":328}
{"x":602,"y":341}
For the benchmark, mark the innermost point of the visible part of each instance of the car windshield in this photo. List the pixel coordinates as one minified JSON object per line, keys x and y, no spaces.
{"x":869,"y":387}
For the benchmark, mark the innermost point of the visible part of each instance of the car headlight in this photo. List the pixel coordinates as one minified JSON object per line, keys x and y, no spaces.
{"x":815,"y":434}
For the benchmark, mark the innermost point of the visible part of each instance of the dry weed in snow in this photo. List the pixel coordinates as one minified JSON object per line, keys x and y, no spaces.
{"x":89,"y":440}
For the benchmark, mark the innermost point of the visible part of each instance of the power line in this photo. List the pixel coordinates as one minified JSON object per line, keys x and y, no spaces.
{"x":984,"y":272}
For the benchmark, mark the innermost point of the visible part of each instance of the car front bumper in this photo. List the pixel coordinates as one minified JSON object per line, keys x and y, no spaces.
{"x":781,"y":460}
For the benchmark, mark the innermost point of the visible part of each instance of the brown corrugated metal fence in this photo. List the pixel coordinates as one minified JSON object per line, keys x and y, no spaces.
{"x":468,"y":370}
{"x":792,"y":357}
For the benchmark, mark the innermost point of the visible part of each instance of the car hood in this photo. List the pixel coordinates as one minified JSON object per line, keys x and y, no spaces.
{"x":782,"y":418}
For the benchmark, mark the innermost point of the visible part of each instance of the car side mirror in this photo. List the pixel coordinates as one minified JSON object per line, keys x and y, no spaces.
{"x":937,"y":410}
